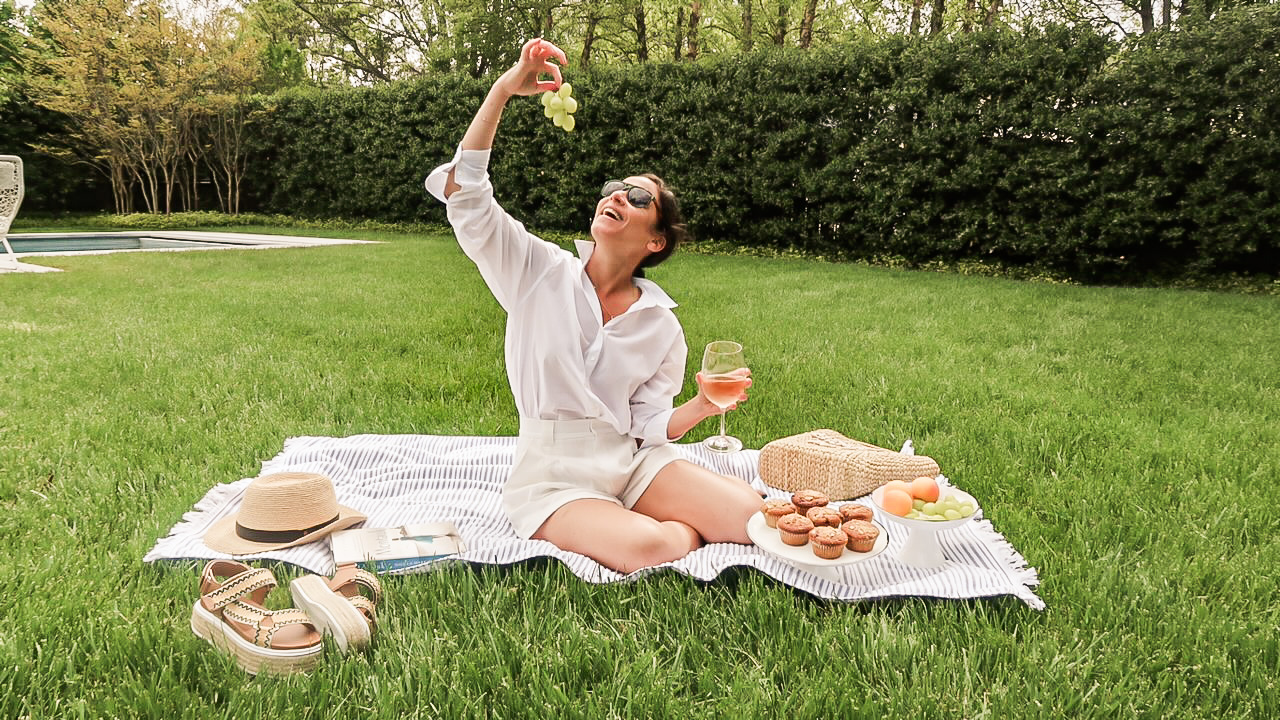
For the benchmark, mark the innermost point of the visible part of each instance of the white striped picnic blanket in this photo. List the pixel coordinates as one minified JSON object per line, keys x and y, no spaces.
{"x":404,"y":479}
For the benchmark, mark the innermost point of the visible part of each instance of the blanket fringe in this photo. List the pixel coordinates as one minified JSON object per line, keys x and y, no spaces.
{"x":1017,"y":566}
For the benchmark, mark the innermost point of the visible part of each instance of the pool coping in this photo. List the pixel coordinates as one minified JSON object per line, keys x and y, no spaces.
{"x":237,"y":241}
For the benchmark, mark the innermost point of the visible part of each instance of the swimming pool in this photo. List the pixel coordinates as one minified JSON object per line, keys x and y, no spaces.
{"x":38,"y":245}
{"x":101,"y":242}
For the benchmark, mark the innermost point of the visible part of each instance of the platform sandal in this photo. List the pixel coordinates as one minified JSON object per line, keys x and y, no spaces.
{"x":344,"y":606}
{"x":230,"y":616}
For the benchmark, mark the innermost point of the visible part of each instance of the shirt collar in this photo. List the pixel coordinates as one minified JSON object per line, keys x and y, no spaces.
{"x":650,"y":293}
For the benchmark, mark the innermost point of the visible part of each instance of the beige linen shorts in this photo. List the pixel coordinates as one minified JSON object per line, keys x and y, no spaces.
{"x":559,"y":461}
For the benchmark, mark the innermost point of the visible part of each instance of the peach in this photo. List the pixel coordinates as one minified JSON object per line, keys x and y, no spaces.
{"x":896,"y":500}
{"x":925,"y":488}
{"x":898,"y":485}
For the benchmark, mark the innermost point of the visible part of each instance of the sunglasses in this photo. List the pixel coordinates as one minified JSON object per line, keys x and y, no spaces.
{"x":637,"y":196}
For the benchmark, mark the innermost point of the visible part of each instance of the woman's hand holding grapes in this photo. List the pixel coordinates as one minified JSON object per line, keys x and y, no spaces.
{"x":535,"y":61}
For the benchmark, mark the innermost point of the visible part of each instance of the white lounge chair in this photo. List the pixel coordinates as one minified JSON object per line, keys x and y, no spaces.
{"x":10,"y":199}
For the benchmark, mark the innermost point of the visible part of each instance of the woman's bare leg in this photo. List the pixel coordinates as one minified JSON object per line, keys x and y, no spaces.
{"x":617,"y":537}
{"x":714,"y":505}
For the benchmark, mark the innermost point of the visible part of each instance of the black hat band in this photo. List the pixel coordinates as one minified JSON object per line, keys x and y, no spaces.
{"x":279,"y":536}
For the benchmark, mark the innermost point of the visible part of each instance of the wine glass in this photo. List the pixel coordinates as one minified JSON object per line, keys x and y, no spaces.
{"x":724,"y":377}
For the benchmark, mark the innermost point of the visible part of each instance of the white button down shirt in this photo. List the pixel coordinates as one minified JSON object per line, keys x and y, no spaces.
{"x":561,"y":362}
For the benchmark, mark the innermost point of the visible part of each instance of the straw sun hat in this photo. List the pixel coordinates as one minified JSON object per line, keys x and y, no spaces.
{"x":282,"y":510}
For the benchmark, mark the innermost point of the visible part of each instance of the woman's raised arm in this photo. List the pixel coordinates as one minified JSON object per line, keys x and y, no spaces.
{"x":521,"y":79}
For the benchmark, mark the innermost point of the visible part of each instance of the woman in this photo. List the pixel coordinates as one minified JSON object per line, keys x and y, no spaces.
{"x":595,"y":358}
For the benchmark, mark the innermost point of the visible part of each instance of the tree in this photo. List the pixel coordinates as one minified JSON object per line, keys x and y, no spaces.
{"x":141,"y":90}
{"x":695,"y":19}
{"x":806,"y":23}
{"x":75,"y":70}
{"x":1132,"y":17}
{"x":377,"y":41}
{"x":224,"y":109}
{"x":156,"y":101}
{"x":592,"y":13}
{"x":281,"y":34}
{"x":914,"y":27}
{"x":642,"y":33}
{"x":780,"y":25}
{"x":11,"y":42}
{"x":370,"y":41}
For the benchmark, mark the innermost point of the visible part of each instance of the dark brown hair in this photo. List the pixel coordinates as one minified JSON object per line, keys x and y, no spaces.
{"x":670,"y":223}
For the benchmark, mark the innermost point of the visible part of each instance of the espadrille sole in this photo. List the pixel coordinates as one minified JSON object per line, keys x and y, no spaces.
{"x":330,"y":612}
{"x":253,"y":658}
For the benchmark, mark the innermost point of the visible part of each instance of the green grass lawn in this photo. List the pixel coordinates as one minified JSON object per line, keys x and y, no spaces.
{"x":1124,"y":440}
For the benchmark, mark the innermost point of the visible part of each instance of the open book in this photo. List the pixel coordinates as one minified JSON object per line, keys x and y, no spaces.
{"x":396,"y":549}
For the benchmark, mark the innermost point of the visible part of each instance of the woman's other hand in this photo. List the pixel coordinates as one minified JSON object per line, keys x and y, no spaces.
{"x":535,"y":61}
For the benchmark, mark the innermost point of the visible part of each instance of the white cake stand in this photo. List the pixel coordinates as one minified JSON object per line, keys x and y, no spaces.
{"x":767,"y":539}
{"x":921,"y":548}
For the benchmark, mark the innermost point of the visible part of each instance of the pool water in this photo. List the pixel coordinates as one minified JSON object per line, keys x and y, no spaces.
{"x":92,"y":242}
{"x":40,"y":247}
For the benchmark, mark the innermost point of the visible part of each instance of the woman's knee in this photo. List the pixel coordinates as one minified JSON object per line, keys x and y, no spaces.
{"x":659,"y":542}
{"x":729,"y":522}
{"x":747,"y":497}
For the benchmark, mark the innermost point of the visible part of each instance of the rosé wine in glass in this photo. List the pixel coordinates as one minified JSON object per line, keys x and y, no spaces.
{"x":725,"y":389}
{"x":724,"y":378}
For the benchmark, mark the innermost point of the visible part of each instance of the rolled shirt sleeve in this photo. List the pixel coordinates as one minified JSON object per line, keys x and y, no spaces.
{"x":652,"y":403}
{"x":510,"y":259}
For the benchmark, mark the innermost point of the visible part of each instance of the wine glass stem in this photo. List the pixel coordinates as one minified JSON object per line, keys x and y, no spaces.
{"x":722,"y":413}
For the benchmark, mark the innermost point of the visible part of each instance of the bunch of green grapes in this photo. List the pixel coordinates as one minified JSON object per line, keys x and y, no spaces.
{"x":948,"y":508}
{"x":560,"y":107}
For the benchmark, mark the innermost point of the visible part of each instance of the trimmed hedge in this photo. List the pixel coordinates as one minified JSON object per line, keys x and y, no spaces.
{"x":1054,"y":148}
{"x":1182,"y":139}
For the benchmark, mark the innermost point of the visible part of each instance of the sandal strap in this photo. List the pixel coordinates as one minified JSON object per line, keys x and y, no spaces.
{"x":283,"y":618}
{"x":240,"y":585}
{"x":369,"y":581}
{"x":353,"y":574}
{"x":366,"y":608}
{"x":256,"y":617}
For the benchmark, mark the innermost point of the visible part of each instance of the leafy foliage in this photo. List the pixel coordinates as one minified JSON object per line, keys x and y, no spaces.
{"x":1056,"y":149}
{"x":50,"y":183}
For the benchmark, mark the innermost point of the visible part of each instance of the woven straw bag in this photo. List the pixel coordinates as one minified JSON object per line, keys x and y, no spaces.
{"x":840,"y":467}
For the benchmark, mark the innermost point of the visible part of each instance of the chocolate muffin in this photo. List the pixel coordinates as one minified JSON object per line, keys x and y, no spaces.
{"x":827,"y":542}
{"x":774,"y":509}
{"x":794,"y":529}
{"x":824,"y":516}
{"x":854,"y":511}
{"x":862,"y":535}
{"x":805,"y":499}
